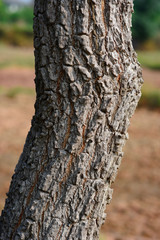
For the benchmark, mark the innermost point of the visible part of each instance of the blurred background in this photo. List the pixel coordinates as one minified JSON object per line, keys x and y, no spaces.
{"x":134,"y":213}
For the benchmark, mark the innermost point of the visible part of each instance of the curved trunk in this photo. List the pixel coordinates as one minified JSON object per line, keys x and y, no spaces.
{"x":88,"y":85}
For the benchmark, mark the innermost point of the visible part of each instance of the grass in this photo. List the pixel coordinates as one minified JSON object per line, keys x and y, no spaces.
{"x":149,"y":59}
{"x":16,"y":34}
{"x":13,"y":92}
{"x":150,"y":97}
{"x":102,"y":237}
{"x":16,"y":56}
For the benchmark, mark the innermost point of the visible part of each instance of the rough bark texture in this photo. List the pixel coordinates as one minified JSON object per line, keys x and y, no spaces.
{"x":88,"y":84}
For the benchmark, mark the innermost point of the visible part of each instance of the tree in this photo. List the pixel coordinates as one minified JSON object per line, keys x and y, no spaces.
{"x":88,"y":84}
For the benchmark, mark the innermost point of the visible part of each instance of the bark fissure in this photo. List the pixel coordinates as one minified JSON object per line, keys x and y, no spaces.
{"x":18,"y":224}
{"x":58,"y":89}
{"x":84,"y":129}
{"x":103,"y":6}
{"x":59,"y":230}
{"x":28,"y":198}
{"x":68,"y":125}
{"x":67,"y":171}
{"x":72,"y":23}
{"x":40,"y":225}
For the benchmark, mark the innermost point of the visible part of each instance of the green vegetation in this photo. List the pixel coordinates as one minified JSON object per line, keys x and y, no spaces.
{"x":16,"y":27}
{"x":102,"y":237}
{"x":149,"y":59}
{"x":16,"y":35}
{"x":16,"y":56}
{"x":23,"y":15}
{"x":150,"y":98}
{"x":13,"y":92}
{"x":146,"y":20}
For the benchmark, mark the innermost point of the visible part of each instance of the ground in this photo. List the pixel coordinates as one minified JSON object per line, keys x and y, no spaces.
{"x":135,"y":209}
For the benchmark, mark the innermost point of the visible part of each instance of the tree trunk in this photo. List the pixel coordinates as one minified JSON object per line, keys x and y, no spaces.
{"x":88,"y":84}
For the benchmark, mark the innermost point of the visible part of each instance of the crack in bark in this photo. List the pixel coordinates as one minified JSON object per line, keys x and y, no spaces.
{"x":59,"y":232}
{"x":58,"y":89}
{"x":19,"y":222}
{"x":94,"y":31}
{"x":89,"y":15}
{"x":68,"y":125}
{"x":70,"y":231}
{"x":42,"y":219}
{"x":118,"y":78}
{"x":66,"y":172}
{"x":27,"y":202}
{"x":31,"y":191}
{"x":88,"y":168}
{"x":98,"y":91}
{"x":32,"y":188}
{"x":38,"y":230}
{"x":56,"y":196}
{"x":109,"y":145}
{"x":83,"y":139}
{"x":83,"y":133}
{"x":120,"y":17}
{"x":89,"y":24}
{"x":103,"y":6}
{"x":90,"y":161}
{"x":72,"y":23}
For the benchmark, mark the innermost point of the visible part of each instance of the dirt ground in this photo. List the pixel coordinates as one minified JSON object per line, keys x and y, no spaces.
{"x":134,"y":213}
{"x":152,"y":77}
{"x":12,"y":77}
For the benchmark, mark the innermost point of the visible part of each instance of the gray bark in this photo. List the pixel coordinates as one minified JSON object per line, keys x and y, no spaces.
{"x":88,"y":84}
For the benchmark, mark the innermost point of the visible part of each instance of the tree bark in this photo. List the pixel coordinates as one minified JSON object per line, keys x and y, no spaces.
{"x":88,"y":84}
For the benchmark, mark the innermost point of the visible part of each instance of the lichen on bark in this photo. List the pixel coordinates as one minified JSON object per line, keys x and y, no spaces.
{"x":88,"y":85}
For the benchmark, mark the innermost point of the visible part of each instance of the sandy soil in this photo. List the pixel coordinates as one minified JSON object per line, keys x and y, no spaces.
{"x":11,"y":77}
{"x":152,"y":77}
{"x":134,"y":213}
